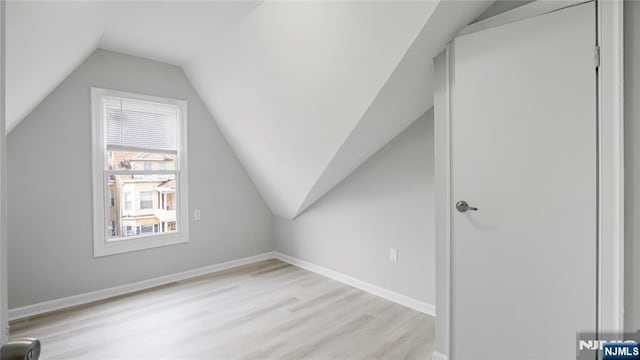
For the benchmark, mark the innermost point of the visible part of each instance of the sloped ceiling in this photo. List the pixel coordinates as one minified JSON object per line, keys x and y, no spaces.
{"x":304,"y":91}
{"x":406,"y":95}
{"x":45,"y":42}
{"x":294,"y":81}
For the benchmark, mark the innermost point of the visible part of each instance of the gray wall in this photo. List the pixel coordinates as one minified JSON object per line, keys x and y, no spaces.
{"x":632,"y":163}
{"x":387,"y":202}
{"x":50,"y":195}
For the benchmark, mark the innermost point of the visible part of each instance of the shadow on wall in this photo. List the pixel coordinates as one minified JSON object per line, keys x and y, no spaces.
{"x":388,"y":202}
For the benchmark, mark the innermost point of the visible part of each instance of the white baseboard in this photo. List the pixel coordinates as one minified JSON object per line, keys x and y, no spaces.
{"x":438,"y":356}
{"x":80,"y":299}
{"x":407,"y":301}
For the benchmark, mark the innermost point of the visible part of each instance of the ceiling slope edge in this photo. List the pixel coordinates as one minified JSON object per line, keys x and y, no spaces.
{"x":29,"y":83}
{"x":407,"y":95}
{"x":18,"y":117}
{"x":282,"y":200}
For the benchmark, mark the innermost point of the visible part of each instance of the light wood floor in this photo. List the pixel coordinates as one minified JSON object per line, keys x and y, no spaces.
{"x":266,"y":310}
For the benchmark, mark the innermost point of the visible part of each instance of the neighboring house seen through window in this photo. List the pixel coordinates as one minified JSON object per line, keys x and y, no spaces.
{"x":139,"y":162}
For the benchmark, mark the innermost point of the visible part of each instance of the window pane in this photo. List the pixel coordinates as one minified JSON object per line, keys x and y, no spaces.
{"x":141,"y":124}
{"x":146,"y":200}
{"x":143,"y":205}
{"x":130,"y":160}
{"x":128,"y":202}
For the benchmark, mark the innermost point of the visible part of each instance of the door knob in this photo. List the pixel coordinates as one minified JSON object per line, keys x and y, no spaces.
{"x":463,"y":206}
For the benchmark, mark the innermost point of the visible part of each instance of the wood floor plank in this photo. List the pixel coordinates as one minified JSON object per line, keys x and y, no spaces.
{"x":265,"y":310}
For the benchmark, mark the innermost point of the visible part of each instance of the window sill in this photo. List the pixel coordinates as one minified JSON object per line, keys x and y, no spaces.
{"x":138,"y":243}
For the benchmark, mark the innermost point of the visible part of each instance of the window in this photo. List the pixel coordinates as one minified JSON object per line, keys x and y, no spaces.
{"x":146,"y":200}
{"x":128,"y":203}
{"x":139,"y":166}
{"x":128,"y":230}
{"x":112,"y":228}
{"x":145,"y":229}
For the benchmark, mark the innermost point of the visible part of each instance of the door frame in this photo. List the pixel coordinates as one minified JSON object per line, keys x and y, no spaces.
{"x":610,"y":112}
{"x":4,"y":322}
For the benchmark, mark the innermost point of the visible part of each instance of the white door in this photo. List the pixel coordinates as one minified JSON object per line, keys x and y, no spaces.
{"x":524,"y":152}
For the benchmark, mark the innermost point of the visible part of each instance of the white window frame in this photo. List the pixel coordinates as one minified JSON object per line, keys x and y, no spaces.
{"x":102,"y":247}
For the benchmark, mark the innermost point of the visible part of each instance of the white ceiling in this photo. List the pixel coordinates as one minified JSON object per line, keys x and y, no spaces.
{"x":304,"y":91}
{"x":406,"y":95}
{"x":45,"y":42}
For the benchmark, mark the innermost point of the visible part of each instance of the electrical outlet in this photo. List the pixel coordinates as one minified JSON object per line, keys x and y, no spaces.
{"x":196,"y":214}
{"x":393,"y":255}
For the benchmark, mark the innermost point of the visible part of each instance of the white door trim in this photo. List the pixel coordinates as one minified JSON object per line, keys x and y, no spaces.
{"x":611,"y":170}
{"x":442,"y":135}
{"x":529,"y":10}
{"x":4,"y":326}
{"x":611,"y":153}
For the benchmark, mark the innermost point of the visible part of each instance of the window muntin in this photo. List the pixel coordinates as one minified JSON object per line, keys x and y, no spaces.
{"x":142,"y":164}
{"x":138,"y":160}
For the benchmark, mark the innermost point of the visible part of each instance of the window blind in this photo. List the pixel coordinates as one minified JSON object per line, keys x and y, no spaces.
{"x":137,"y":124}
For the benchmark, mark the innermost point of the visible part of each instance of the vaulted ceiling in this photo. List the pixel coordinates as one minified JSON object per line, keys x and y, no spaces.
{"x":304,"y":91}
